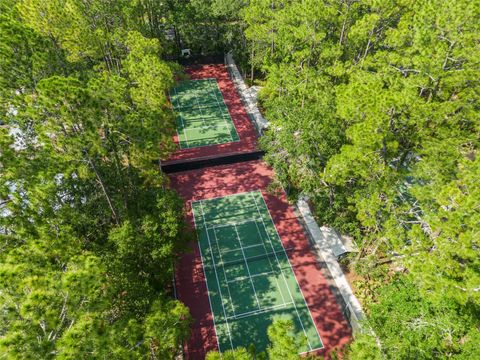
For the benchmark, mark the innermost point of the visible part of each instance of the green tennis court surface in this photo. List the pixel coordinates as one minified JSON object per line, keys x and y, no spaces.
{"x":202,"y":118}
{"x":249,"y":277}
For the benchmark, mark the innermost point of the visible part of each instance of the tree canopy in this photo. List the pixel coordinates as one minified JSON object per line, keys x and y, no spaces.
{"x":373,"y":112}
{"x":90,"y":233}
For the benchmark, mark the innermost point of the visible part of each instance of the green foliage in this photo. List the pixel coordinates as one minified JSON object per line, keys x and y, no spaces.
{"x":25,"y":58}
{"x":47,"y":286}
{"x":283,"y":345}
{"x":166,"y":327}
{"x":58,"y":307}
{"x":364,"y":347}
{"x":373,"y":111}
{"x":89,"y":233}
{"x":411,"y":326}
{"x":237,"y":354}
{"x":85,"y":30}
{"x":207,"y":26}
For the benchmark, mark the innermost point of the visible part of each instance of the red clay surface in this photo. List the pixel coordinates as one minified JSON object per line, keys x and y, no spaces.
{"x":245,"y":129}
{"x":190,"y":280}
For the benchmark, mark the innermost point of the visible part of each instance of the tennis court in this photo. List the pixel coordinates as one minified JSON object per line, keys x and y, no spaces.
{"x":202,"y":117}
{"x":249,"y":277}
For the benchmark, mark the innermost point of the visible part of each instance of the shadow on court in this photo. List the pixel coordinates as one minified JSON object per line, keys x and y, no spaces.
{"x":202,"y":117}
{"x":247,"y":136}
{"x":219,"y":181}
{"x":247,"y":270}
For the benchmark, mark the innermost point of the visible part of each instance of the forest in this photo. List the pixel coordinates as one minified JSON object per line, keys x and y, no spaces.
{"x":374,"y":113}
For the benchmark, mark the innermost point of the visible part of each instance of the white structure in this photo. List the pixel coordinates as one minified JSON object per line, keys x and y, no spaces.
{"x":248,"y":95}
{"x":186,"y":53}
{"x":329,"y":246}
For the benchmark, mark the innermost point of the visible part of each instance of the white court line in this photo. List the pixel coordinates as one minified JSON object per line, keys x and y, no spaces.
{"x":204,"y":117}
{"x":252,"y":246}
{"x":223,"y":268}
{"x":240,"y":278}
{"x":230,"y":224}
{"x":218,"y":87}
{"x":229,"y":115}
{"x":198,"y":118}
{"x":246,"y":247}
{"x":183,"y":124}
{"x":229,"y":196}
{"x":271,"y":267}
{"x":215,"y":93}
{"x":266,"y":252}
{"x":176,"y":97}
{"x":199,"y":108}
{"x":200,"y":127}
{"x":304,"y":300}
{"x":271,"y":244}
{"x":219,"y":106}
{"x":192,"y":80}
{"x":229,"y":126}
{"x":192,"y":107}
{"x":208,"y":290}
{"x":248,"y":269}
{"x":176,"y":127}
{"x":261,"y":311}
{"x":218,"y":282}
{"x":281,"y":270}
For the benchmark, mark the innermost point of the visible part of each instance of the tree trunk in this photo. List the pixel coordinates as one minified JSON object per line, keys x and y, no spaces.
{"x":118,"y":167}
{"x":344,"y":25}
{"x":252,"y":69}
{"x":102,"y":185}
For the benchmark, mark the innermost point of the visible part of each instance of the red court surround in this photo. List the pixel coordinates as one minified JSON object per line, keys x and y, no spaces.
{"x":245,"y":129}
{"x":190,"y":280}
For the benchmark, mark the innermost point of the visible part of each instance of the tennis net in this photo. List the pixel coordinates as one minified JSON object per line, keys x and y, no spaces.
{"x":268,"y":255}
{"x":196,"y":107}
